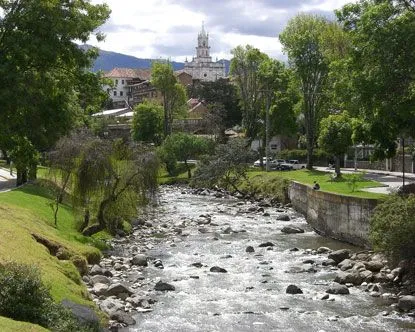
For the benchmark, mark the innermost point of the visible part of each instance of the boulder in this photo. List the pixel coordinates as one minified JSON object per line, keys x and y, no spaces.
{"x":339,"y":255}
{"x":85,"y":315}
{"x":406,"y":303}
{"x":283,"y":217}
{"x":100,"y":289}
{"x":139,"y":260}
{"x":293,"y":289}
{"x":217,"y":269}
{"x":353,"y":277}
{"x":323,"y":250}
{"x":336,"y":288}
{"x":292,"y":230}
{"x":374,"y":266}
{"x":99,"y":279}
{"x":164,"y":287}
{"x":117,"y":289}
{"x":266,"y":244}
{"x":198,"y":264}
{"x":328,"y":262}
{"x":96,"y":269}
{"x":346,"y":264}
{"x":122,"y":317}
{"x":250,"y":249}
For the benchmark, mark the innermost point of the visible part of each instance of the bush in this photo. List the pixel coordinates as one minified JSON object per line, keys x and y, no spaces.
{"x":23,"y":297}
{"x":393,"y":227}
{"x":318,"y":155}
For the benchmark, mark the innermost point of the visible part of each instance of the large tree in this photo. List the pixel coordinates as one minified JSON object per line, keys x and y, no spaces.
{"x":382,"y":69}
{"x":244,"y":72}
{"x":43,"y":83}
{"x":147,"y":125}
{"x":174,"y":94}
{"x":306,"y":43}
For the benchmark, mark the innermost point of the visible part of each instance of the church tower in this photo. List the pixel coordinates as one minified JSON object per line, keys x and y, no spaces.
{"x":203,"y":48}
{"x":202,"y":67}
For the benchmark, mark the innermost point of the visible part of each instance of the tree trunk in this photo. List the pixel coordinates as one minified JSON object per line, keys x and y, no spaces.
{"x":337,"y":166}
{"x":21,"y":176}
{"x":32,"y":172}
{"x":189,"y":172}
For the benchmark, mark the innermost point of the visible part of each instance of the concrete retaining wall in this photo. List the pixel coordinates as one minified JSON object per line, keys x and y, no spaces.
{"x":341,"y":217}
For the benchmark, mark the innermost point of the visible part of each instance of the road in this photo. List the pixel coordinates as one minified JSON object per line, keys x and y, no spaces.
{"x":7,"y":181}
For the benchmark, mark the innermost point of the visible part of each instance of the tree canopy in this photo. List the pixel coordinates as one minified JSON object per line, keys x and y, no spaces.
{"x":147,"y":125}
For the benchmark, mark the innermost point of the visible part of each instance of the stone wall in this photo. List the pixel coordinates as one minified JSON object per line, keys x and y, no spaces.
{"x":341,"y":217}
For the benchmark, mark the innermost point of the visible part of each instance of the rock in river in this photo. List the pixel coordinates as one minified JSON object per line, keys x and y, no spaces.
{"x":139,"y":260}
{"x":336,"y":288}
{"x":406,"y":303}
{"x":164,"y":287}
{"x":293,"y":289}
{"x":292,"y":230}
{"x":266,"y":244}
{"x":250,"y":249}
{"x":339,"y":255}
{"x":217,"y":269}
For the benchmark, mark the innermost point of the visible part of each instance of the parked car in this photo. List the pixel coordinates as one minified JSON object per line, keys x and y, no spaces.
{"x":273,"y":163}
{"x":293,"y":164}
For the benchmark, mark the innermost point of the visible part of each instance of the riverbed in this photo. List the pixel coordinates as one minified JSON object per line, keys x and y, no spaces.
{"x":197,"y":232}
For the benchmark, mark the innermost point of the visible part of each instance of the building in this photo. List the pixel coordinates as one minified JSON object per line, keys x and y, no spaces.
{"x":202,"y":67}
{"x":122,"y":79}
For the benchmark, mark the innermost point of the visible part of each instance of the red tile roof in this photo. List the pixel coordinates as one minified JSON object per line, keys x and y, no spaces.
{"x":143,"y":74}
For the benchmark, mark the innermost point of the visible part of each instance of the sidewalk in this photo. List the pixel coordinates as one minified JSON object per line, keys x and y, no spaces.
{"x":7,"y":181}
{"x":391,"y":180}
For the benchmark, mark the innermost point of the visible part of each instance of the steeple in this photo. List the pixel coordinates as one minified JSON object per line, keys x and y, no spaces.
{"x":203,"y":48}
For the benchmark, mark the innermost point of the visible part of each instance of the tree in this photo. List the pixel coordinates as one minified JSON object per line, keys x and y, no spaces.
{"x":183,"y":147}
{"x":381,"y":78}
{"x":47,"y":81}
{"x":226,"y":168}
{"x":304,"y":42}
{"x":147,"y":125}
{"x":244,"y":71}
{"x":174,"y":94}
{"x":109,"y":180}
{"x":336,"y":136}
{"x":220,"y":95}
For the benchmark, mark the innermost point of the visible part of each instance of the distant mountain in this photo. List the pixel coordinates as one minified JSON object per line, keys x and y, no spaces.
{"x":108,"y":60}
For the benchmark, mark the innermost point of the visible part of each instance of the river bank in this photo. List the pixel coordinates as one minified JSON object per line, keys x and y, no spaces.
{"x":207,"y":261}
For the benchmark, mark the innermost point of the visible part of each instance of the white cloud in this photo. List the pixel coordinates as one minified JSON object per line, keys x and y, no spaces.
{"x":157,"y":28}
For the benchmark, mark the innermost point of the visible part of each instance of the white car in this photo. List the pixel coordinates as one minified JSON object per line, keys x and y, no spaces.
{"x":272,"y":163}
{"x":294,"y":164}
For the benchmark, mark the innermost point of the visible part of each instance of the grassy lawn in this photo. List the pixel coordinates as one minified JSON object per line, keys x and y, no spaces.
{"x":324,"y":179}
{"x":26,"y":211}
{"x":10,"y":325}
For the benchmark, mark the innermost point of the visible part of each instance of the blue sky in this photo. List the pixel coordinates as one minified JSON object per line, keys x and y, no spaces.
{"x":168,"y":28}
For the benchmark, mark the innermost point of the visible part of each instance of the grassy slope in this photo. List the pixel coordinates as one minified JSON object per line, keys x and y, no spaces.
{"x":25,"y":211}
{"x":341,"y":186}
{"x":9,"y":325}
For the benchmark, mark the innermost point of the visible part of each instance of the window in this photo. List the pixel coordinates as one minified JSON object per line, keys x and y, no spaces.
{"x":116,"y":82}
{"x":121,"y":93}
{"x":115,"y":93}
{"x":204,"y":74}
{"x":122,"y":82}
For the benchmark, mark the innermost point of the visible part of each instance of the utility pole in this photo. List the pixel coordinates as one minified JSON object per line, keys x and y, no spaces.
{"x":267,"y":92}
{"x":403,"y":162}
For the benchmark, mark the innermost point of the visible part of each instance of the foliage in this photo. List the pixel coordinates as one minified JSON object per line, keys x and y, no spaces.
{"x":301,"y":155}
{"x":380,"y":79}
{"x":336,"y":136}
{"x":308,"y":41}
{"x":147,"y":125}
{"x":182,"y":147}
{"x":174,"y":94}
{"x":110,"y":180}
{"x":245,"y":73}
{"x":25,"y":298}
{"x":392,"y":227}
{"x":353,"y":180}
{"x":51,"y":88}
{"x":226,"y":168}
{"x":221,"y":95}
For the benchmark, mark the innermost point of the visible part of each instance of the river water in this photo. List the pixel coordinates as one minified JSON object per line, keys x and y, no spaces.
{"x":251,"y":295}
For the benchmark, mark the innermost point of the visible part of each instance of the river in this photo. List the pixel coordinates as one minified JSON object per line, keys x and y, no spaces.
{"x":251,"y":296}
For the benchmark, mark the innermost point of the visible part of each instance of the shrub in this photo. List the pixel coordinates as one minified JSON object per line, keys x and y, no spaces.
{"x":353,"y":179}
{"x":23,"y":297}
{"x":393,"y":227}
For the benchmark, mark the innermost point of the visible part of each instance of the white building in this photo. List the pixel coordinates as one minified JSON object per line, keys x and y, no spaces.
{"x":122,"y":78}
{"x":202,"y":67}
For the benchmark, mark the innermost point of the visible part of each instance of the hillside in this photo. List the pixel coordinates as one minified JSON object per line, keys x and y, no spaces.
{"x":107,"y":60}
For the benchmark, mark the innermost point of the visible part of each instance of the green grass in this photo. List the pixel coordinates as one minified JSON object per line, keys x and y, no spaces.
{"x":10,"y":325}
{"x":26,"y":211}
{"x":181,"y":177}
{"x":338,"y":186}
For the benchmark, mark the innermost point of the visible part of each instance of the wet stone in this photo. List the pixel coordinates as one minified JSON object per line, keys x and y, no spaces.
{"x":250,"y":249}
{"x":293,"y":289}
{"x":164,"y":287}
{"x":217,"y":269}
{"x":266,"y":244}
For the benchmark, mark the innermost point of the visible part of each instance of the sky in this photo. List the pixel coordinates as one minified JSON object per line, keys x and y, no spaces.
{"x":168,"y":28}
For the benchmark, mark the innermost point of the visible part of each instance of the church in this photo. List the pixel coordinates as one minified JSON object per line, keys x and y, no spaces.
{"x":202,"y":67}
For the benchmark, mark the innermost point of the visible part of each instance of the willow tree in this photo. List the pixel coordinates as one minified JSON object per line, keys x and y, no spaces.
{"x":305,"y":41}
